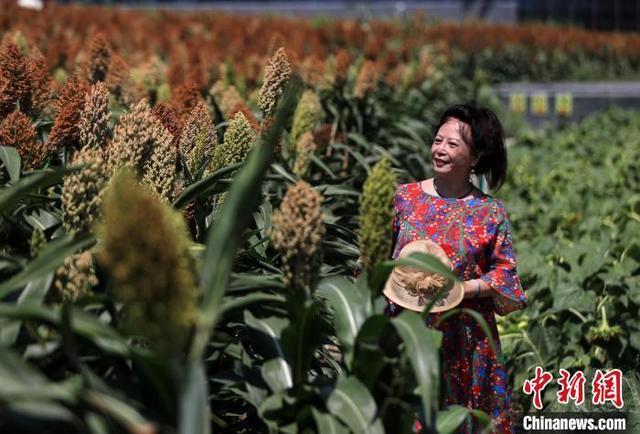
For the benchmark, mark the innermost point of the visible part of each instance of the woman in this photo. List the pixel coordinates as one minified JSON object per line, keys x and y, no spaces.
{"x":473,"y":229}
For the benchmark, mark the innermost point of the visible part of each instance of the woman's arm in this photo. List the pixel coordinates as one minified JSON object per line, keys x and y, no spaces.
{"x":502,"y":277}
{"x":476,"y":288}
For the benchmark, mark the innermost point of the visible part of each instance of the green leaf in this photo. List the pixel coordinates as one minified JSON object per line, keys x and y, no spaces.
{"x":42,"y":219}
{"x":277,"y":374}
{"x":356,"y":155}
{"x":11,"y":160}
{"x":33,"y":293}
{"x":276,"y":371}
{"x":350,"y":310}
{"x":359,"y":139}
{"x":451,"y":418}
{"x":96,"y":424}
{"x":427,"y":262}
{"x":368,"y":360}
{"x":342,"y":232}
{"x":352,"y":403}
{"x":12,"y":195}
{"x":337,"y":190}
{"x":242,"y":281}
{"x":415,"y":136}
{"x":318,"y":162}
{"x":635,"y":341}
{"x":48,"y":260}
{"x":340,"y":247}
{"x":252,"y":299}
{"x":224,"y":238}
{"x":483,"y":418}
{"x":45,"y":411}
{"x":82,"y":323}
{"x":422,"y":346}
{"x":205,"y":186}
{"x":119,"y":410}
{"x":283,"y":172}
{"x":194,"y":401}
{"x":20,"y":382}
{"x":327,"y":424}
{"x":301,"y":338}
{"x":422,"y":261}
{"x":272,"y":404}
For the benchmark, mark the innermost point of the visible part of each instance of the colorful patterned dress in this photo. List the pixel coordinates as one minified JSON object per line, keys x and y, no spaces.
{"x":476,"y":236}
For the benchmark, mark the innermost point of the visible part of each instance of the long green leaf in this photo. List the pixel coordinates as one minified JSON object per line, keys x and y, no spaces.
{"x":19,"y":381}
{"x":120,"y":411}
{"x":349,"y":309}
{"x":352,"y":403}
{"x":450,"y":419}
{"x":422,"y":346}
{"x":252,"y":299}
{"x":223,"y":240}
{"x":337,"y":190}
{"x":12,"y":195}
{"x":356,"y":155}
{"x":50,"y":258}
{"x":42,"y":219}
{"x":369,"y":359}
{"x":242,"y":281}
{"x":283,"y":173}
{"x":421,"y":261}
{"x":194,"y":401}
{"x":359,"y":139}
{"x":427,"y":262}
{"x":204,"y":186}
{"x":33,"y":293}
{"x":42,"y":411}
{"x":271,"y":328}
{"x":276,"y":371}
{"x":11,"y":159}
{"x":318,"y":162}
{"x":277,"y":374}
{"x":301,"y":337}
{"x":327,"y":424}
{"x":82,"y":323}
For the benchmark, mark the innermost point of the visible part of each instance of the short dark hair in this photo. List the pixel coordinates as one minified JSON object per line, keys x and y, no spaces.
{"x":486,"y":137}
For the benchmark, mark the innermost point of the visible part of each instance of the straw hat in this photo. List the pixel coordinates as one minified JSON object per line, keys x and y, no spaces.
{"x":414,"y":289}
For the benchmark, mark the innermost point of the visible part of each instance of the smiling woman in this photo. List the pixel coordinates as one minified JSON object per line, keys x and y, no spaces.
{"x":472,"y":229}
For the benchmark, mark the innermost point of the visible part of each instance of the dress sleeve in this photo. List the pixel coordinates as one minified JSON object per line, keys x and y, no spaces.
{"x":502,"y":276}
{"x":395,"y":223}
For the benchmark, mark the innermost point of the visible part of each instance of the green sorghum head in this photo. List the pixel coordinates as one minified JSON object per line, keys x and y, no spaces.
{"x":376,"y":214}
{"x":82,"y":191}
{"x":307,"y":115}
{"x":297,"y":232}
{"x":145,"y":249}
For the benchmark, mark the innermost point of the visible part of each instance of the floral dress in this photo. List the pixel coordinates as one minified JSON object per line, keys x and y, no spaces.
{"x":476,"y":236}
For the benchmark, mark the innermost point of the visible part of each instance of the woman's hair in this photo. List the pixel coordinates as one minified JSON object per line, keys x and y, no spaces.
{"x":486,"y":137}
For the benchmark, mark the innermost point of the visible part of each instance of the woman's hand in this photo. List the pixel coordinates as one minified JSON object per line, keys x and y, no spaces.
{"x":476,"y":288}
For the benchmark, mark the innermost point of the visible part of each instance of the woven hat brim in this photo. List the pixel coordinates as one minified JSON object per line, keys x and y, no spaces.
{"x":401,"y":297}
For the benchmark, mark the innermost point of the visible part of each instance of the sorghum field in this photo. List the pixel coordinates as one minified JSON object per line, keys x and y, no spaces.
{"x":185,"y":196}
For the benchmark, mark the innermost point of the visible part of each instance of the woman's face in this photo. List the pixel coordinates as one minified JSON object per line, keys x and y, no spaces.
{"x":450,"y":154}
